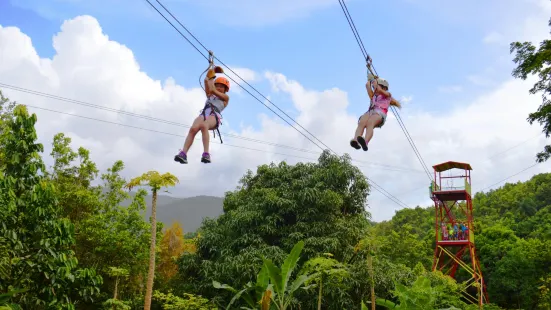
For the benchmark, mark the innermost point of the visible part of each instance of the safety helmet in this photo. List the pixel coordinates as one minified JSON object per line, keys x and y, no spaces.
{"x":382,"y":82}
{"x":222,"y":80}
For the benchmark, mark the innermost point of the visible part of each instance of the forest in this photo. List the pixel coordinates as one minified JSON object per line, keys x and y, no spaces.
{"x":290,"y":236}
{"x":68,"y":244}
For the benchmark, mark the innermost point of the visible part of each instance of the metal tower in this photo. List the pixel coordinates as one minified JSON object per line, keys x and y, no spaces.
{"x":455,"y":249}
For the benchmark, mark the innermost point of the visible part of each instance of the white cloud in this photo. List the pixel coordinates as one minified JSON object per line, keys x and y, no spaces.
{"x":88,"y":66}
{"x":245,"y":74}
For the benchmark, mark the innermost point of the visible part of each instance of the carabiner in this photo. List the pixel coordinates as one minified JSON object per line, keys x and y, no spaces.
{"x":211,"y":58}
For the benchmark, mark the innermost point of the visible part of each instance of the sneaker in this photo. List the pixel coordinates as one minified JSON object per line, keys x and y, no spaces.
{"x":355,"y":144}
{"x":362,"y":142}
{"x":205,"y":158}
{"x":181,"y":158}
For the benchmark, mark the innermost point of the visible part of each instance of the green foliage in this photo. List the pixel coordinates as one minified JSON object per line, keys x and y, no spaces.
{"x":331,"y":279}
{"x":107,"y":234}
{"x":115,"y":304}
{"x":544,"y":299}
{"x":6,"y":116}
{"x":38,"y":239}
{"x":188,"y":302}
{"x":421,"y":295}
{"x":51,"y":218}
{"x":116,"y":235}
{"x":321,"y":203}
{"x":536,"y":62}
{"x":275,"y":280}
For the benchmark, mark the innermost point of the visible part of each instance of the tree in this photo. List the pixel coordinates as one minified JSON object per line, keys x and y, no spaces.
{"x":330,"y":273}
{"x":321,"y":203}
{"x":116,"y":235}
{"x":117,"y":273}
{"x":38,"y":238}
{"x":77,"y":197}
{"x":107,"y":234}
{"x":530,"y":62}
{"x":172,"y":246}
{"x":155,"y":181}
{"x":371,"y":245}
{"x":6,"y":116}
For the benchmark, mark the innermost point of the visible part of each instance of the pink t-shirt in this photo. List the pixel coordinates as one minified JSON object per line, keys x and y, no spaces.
{"x":381,"y":102}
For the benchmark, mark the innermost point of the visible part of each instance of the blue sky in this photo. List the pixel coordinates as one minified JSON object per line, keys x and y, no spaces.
{"x":418,"y":45}
{"x":451,"y":58}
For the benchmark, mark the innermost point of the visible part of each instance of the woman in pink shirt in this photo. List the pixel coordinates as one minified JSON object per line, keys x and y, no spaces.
{"x":381,"y":100}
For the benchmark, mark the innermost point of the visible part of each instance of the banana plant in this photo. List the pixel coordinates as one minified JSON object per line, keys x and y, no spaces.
{"x":279,"y":278}
{"x":259,"y":293}
{"x":272,"y":288}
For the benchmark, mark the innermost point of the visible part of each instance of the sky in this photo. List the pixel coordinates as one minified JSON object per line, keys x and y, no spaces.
{"x":448,"y":63}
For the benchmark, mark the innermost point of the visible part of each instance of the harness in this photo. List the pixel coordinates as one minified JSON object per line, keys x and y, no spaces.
{"x":213,"y":111}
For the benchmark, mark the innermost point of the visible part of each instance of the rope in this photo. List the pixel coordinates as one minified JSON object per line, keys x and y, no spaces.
{"x":382,"y":190}
{"x":160,"y":120}
{"x":370,"y":64}
{"x":377,"y":187}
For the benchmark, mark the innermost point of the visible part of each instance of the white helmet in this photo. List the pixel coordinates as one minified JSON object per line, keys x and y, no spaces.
{"x":382,"y":82}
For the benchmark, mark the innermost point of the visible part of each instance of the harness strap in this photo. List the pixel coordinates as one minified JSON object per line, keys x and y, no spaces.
{"x":213,"y":111}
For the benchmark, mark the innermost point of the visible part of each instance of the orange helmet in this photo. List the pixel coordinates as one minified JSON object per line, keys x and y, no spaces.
{"x":222,"y":80}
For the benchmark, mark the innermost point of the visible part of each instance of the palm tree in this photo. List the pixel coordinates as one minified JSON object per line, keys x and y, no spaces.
{"x":370,"y":243}
{"x":155,"y":181}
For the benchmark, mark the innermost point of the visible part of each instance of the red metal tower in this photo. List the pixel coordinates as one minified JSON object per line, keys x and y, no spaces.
{"x":455,"y":249}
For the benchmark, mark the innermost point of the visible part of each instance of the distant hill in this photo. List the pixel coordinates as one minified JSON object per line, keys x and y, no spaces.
{"x":190,"y":212}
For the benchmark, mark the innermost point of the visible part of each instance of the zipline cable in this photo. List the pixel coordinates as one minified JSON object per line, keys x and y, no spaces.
{"x":160,"y":120}
{"x":244,"y":81}
{"x":507,"y":178}
{"x":367,"y":59}
{"x":383,"y":191}
{"x":377,"y":187}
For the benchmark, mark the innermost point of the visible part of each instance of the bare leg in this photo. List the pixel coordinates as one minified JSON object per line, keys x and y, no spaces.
{"x":207,"y":125}
{"x":361,"y":126}
{"x":192,"y":132}
{"x":373,"y":121}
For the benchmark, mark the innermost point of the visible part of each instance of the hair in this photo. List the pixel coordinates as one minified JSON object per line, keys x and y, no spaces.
{"x":395,"y":103}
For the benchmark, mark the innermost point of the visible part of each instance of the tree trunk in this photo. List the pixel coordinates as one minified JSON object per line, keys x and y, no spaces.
{"x":151,"y":271}
{"x":319,"y":295}
{"x":370,"y":265}
{"x":116,"y":288}
{"x":116,"y":292}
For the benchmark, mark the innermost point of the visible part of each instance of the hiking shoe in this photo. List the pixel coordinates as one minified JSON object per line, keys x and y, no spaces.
{"x":205,"y":158}
{"x":181,"y":158}
{"x":362,"y":142}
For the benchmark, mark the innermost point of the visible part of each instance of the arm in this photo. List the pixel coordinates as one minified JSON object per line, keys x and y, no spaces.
{"x":369,"y":89}
{"x":207,"y":87}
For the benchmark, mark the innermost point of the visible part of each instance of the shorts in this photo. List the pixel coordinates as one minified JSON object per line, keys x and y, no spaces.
{"x":376,"y":111}
{"x":208,"y":112}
